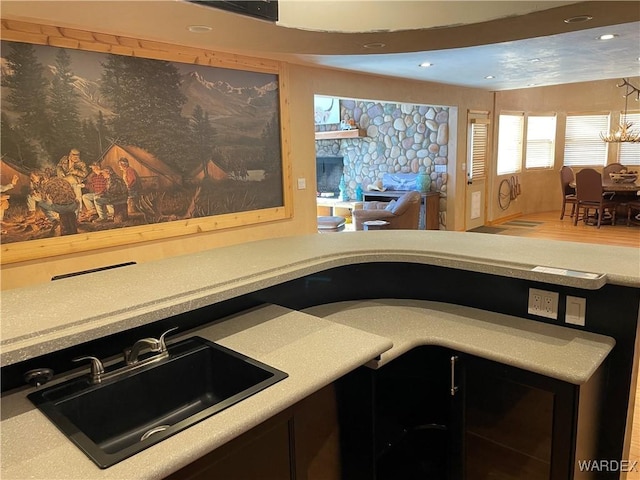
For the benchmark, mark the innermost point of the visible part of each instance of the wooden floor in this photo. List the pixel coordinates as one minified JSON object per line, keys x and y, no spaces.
{"x":551,"y":227}
{"x":548,"y":225}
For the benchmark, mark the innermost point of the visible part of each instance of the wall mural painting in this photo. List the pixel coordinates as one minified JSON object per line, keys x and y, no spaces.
{"x":94,"y":141}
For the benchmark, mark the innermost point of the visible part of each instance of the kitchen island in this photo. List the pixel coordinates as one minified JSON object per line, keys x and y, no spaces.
{"x":257,"y":298}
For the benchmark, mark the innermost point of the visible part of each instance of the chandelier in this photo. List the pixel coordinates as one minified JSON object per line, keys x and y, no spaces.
{"x":624,"y":133}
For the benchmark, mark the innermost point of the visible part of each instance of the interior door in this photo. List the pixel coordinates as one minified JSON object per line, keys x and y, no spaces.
{"x":476,"y":168}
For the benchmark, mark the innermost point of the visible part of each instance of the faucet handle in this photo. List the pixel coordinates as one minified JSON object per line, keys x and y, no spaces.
{"x":163,"y":345}
{"x":97,"y":368}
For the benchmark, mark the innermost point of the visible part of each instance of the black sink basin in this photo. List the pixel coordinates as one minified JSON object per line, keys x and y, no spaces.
{"x":114,"y":420}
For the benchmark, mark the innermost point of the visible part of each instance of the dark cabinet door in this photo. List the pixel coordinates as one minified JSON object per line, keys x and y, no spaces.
{"x":394,"y":421}
{"x":512,"y":424}
{"x":438,"y":414}
{"x":413,"y":416}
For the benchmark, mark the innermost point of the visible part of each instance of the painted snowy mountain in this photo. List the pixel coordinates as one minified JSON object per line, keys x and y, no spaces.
{"x":241,"y":111}
{"x":220,"y":99}
{"x":91,"y":100}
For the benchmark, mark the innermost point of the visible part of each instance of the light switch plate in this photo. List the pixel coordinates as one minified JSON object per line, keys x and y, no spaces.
{"x":576,"y":310}
{"x":302,"y":183}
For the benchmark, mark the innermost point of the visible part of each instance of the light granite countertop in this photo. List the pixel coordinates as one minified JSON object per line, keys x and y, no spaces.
{"x":314,"y":352}
{"x":315,"y":348}
{"x":563,"y":353}
{"x":45,"y":318}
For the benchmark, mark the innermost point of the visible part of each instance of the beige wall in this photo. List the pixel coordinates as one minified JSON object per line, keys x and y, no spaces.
{"x":540,"y":190}
{"x":541,"y":187}
{"x":303,"y":83}
{"x":368,"y":87}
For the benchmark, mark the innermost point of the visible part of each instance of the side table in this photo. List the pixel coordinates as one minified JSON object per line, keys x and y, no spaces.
{"x":332,"y":223}
{"x":375,"y":225}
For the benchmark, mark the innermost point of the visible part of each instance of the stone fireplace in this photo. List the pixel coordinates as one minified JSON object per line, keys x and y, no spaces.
{"x":329,"y":171}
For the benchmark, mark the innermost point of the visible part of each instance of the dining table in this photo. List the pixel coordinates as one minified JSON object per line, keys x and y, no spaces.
{"x":620,"y":191}
{"x":609,"y":185}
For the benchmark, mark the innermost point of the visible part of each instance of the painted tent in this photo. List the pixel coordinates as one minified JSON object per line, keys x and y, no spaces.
{"x":9,"y":168}
{"x":154,"y":173}
{"x":212,"y":171}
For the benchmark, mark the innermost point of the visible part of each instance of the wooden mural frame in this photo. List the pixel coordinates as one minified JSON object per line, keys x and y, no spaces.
{"x":103,"y":43}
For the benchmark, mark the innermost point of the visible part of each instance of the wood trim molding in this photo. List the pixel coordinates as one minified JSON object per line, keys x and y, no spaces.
{"x":338,"y":134}
{"x":54,"y":36}
{"x":99,"y":42}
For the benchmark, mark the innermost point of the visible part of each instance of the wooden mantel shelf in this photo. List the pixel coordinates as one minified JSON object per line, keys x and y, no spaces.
{"x":337,"y":134}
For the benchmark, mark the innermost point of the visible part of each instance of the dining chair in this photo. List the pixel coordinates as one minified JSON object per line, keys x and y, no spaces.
{"x":568,"y":192}
{"x":589,"y":193}
{"x":612,"y":168}
{"x":632,"y":205}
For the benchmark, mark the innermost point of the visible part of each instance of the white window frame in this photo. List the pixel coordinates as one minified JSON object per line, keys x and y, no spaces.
{"x":583,"y":146}
{"x":510,"y":143}
{"x":540,"y":141}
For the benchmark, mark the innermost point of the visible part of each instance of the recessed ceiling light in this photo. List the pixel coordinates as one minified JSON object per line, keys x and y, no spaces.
{"x":199,"y":28}
{"x":534,"y":60}
{"x":374,"y":45}
{"x":578,"y":19}
{"x":607,"y":36}
{"x":426,"y":64}
{"x":489,"y":77}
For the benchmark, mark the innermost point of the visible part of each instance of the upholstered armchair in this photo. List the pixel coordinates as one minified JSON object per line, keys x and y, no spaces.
{"x":403,"y":213}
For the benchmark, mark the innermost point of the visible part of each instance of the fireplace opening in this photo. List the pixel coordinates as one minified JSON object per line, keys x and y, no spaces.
{"x":329,"y":171}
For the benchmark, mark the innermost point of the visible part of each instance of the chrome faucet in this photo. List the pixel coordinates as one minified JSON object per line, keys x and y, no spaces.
{"x":131,"y":358}
{"x":131,"y":354}
{"x":153,"y":345}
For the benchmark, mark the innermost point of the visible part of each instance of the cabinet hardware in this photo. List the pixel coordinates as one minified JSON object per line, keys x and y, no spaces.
{"x":454,"y":387}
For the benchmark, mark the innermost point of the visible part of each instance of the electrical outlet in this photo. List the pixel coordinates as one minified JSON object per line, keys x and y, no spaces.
{"x":547,"y":305}
{"x":543,"y":303}
{"x":535,"y":301}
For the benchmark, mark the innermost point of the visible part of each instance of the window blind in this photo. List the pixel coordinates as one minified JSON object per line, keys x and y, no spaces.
{"x":582,"y":144}
{"x":629,"y":153}
{"x":510,"y":132}
{"x":479,"y":133}
{"x":541,"y":135}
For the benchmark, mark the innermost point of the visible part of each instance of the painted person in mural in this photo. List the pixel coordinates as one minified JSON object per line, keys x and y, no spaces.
{"x":34,"y":195}
{"x":53,"y":195}
{"x":96,"y":183}
{"x":132,"y":180}
{"x":74,"y":171}
{"x":116,"y":193}
{"x":4,"y":201}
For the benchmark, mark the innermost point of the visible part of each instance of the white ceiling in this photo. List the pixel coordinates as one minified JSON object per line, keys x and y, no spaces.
{"x":549,"y":60}
{"x":467,"y":40}
{"x":396,"y":15}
